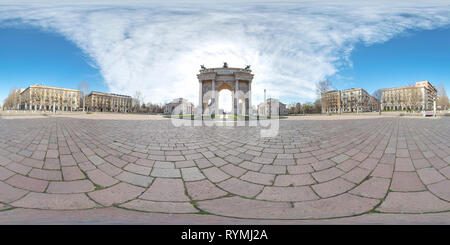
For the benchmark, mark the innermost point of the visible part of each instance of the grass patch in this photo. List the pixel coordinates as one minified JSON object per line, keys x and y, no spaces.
{"x":98,"y":187}
{"x":227,"y":116}
{"x":203,"y":213}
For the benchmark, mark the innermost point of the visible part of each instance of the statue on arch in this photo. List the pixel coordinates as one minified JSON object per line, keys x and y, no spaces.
{"x":225,"y":65}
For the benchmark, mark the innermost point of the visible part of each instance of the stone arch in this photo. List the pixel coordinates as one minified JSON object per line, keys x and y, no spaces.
{"x":213,"y":80}
{"x":224,"y":86}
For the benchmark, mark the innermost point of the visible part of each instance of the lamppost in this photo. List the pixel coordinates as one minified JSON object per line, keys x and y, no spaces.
{"x":54,"y":101}
{"x":434,"y":106}
{"x":379,"y":107}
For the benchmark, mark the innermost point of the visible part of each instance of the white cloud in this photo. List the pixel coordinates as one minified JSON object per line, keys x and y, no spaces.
{"x":158,"y":47}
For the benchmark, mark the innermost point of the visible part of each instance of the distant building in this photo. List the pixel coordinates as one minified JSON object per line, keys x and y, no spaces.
{"x":108,"y":102}
{"x":283,"y":111}
{"x":418,"y":97}
{"x":430,"y":93}
{"x":270,"y":108}
{"x":349,"y":100}
{"x":44,"y":98}
{"x":358,"y":100}
{"x":331,"y":101}
{"x":185,"y":107}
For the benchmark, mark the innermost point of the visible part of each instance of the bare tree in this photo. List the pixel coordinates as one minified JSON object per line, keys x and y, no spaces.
{"x":317,"y":106}
{"x":154,"y":108}
{"x":415,"y":98}
{"x":84,"y":88}
{"x":377,"y":94}
{"x":12,"y":101}
{"x":291,"y":108}
{"x":137,"y":101}
{"x":442,"y":100}
{"x":323,"y":87}
{"x":308,"y":107}
{"x":294,"y":108}
{"x":298,"y":108}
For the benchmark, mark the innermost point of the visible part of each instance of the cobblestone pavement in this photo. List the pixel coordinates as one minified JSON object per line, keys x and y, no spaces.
{"x":314,"y":169}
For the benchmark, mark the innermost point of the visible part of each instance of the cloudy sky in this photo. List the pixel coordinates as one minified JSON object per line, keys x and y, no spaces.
{"x":157,"y":47}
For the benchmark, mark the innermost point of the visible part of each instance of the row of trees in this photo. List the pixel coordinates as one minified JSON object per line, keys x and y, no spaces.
{"x":139,"y":105}
{"x":10,"y":103}
{"x":305,"y":108}
{"x":149,"y":108}
{"x":311,"y":107}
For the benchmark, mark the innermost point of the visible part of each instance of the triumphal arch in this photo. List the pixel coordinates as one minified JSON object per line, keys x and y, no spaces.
{"x":237,"y":80}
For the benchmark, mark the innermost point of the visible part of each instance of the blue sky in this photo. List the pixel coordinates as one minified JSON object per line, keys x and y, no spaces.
{"x":410,"y":57}
{"x":157,"y":47}
{"x":32,"y":56}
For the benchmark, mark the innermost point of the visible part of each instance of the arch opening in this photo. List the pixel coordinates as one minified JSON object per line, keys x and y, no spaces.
{"x":225,"y":101}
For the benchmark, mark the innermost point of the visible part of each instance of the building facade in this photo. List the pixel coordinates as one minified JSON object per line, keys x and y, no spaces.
{"x":44,"y":98}
{"x":184,"y":107}
{"x":108,"y":102}
{"x":272,"y":107}
{"x":349,"y":100}
{"x":430,"y":93}
{"x":331,"y":101}
{"x":358,"y":100}
{"x":418,"y":97}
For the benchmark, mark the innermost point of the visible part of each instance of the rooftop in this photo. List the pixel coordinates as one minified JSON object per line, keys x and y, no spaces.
{"x":43,"y":86}
{"x":224,"y":69}
{"x":110,"y":94}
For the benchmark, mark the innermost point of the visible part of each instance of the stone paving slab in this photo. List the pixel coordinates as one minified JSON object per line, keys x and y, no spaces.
{"x":55,"y":201}
{"x":116,"y":216}
{"x":76,"y":186}
{"x":205,"y":189}
{"x":9,"y":193}
{"x":441,"y":189}
{"x":116,"y":194}
{"x":293,"y":194}
{"x":413,"y":202}
{"x":160,"y":207}
{"x":164,"y":189}
{"x":374,"y":187}
{"x":313,"y":169}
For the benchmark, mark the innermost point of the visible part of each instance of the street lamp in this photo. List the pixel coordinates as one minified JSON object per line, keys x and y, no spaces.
{"x":54,"y":101}
{"x":434,"y":106}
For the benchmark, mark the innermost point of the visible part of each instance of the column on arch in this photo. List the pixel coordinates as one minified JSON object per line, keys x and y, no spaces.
{"x":232,"y":100}
{"x":250,"y":109}
{"x":200,"y":98}
{"x":213,"y":97}
{"x":236,"y":97}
